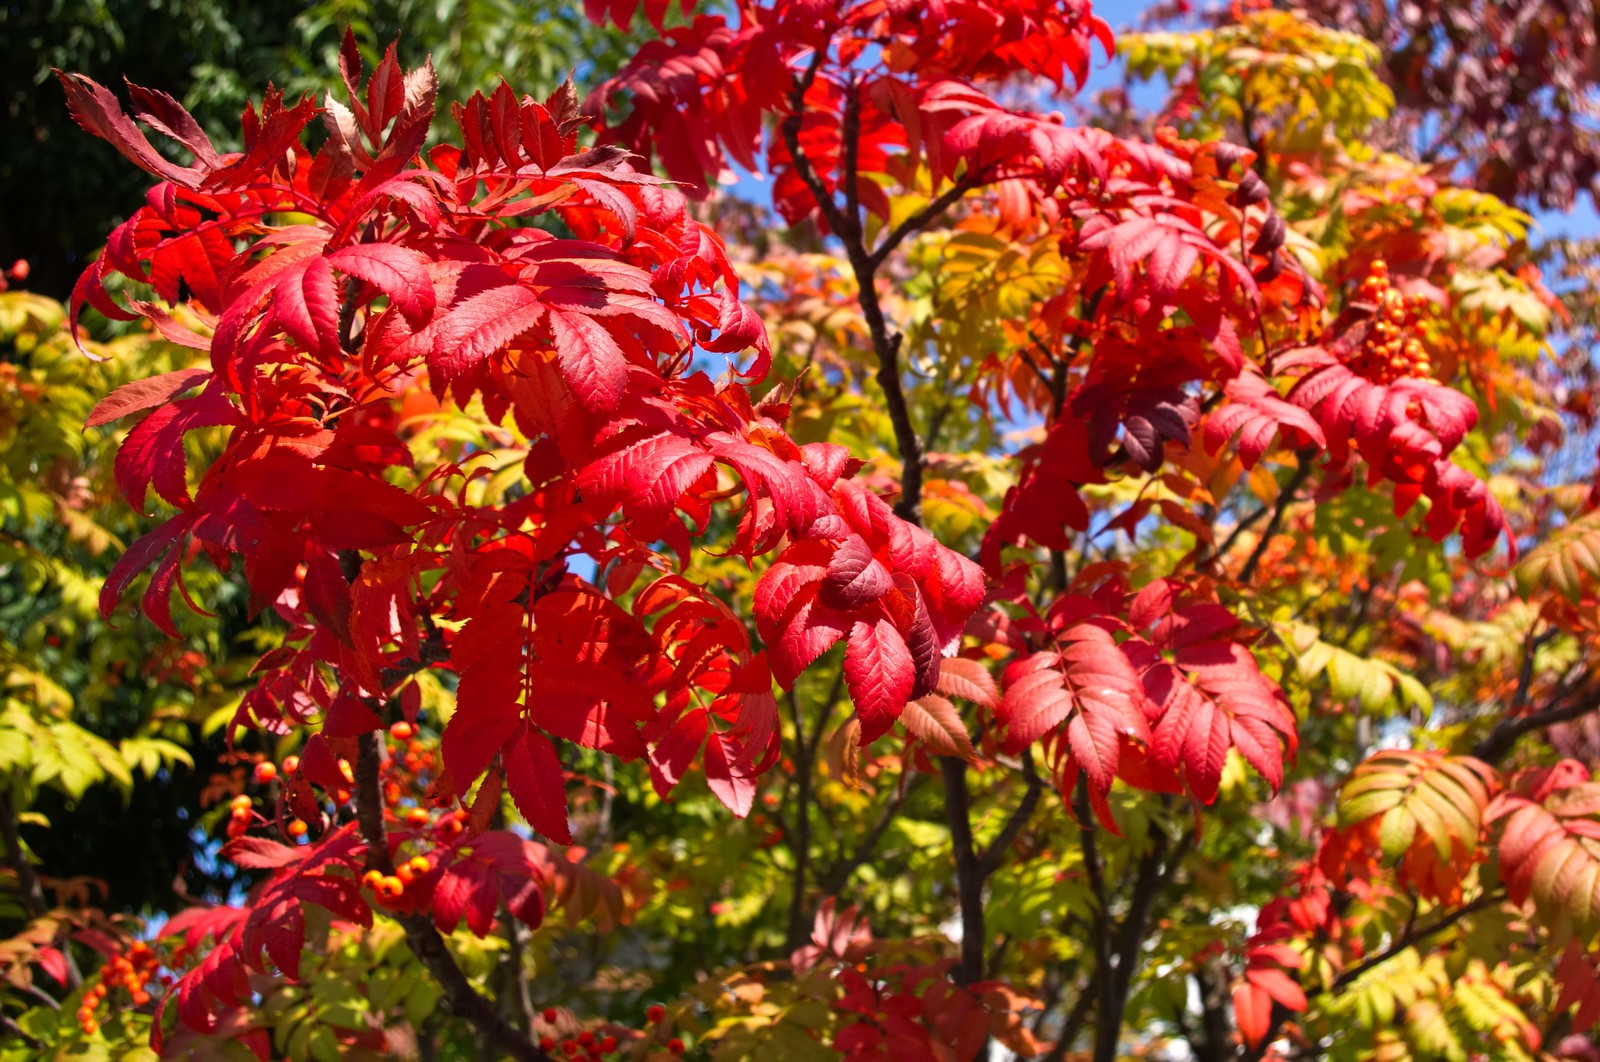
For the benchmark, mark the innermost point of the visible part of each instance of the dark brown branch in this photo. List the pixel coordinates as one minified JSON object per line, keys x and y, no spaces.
{"x":1499,"y":741}
{"x":849,"y":174}
{"x":11,"y":1028}
{"x":922,"y":219}
{"x":1100,"y":981}
{"x":1152,"y":874}
{"x":969,"y":875}
{"x":801,"y":838}
{"x":839,"y":876}
{"x":1406,"y":940}
{"x":805,"y":761}
{"x":1073,"y":1025}
{"x":1285,"y":499}
{"x":989,"y":860}
{"x":886,"y":344}
{"x":1213,"y":1041}
{"x":32,"y":892}
{"x":801,"y":162}
{"x":516,"y":972}
{"x":426,"y":944}
{"x":1245,"y":523}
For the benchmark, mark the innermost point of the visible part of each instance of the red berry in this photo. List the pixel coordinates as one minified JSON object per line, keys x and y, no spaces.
{"x":656,"y":1012}
{"x":20,"y":269}
{"x":675,"y":1045}
{"x":586,"y":1038}
{"x":401,"y":730}
{"x":609,"y":1044}
{"x":549,"y":1015}
{"x":546,"y":1044}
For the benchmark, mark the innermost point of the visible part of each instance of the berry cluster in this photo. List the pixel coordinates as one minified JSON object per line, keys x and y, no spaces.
{"x":137,"y":971}
{"x":590,"y":1046}
{"x":1392,"y":349}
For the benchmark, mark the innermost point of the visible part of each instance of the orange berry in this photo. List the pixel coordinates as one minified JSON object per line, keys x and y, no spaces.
{"x":417,"y":816}
{"x":346,"y":772}
{"x":242,"y":803}
{"x":391,"y":888}
{"x":401,"y":730}
{"x":372,"y":879}
{"x":298,"y":828}
{"x":405,"y":873}
{"x":266,"y":772}
{"x":419,"y":864}
{"x":291,"y":764}
{"x":140,"y":998}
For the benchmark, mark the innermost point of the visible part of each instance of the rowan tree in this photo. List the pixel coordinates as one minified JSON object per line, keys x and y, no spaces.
{"x":1060,"y":593}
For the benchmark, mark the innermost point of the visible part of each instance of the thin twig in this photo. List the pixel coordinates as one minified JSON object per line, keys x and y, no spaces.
{"x":1410,"y":939}
{"x":1499,"y":741}
{"x":421,"y":934}
{"x":1285,"y":499}
{"x":989,"y":860}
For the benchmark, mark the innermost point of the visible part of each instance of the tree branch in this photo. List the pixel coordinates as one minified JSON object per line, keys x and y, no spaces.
{"x":11,"y":1028}
{"x":922,"y":218}
{"x":1409,"y":939}
{"x":989,"y":860}
{"x":426,"y":943}
{"x":839,"y":876}
{"x":969,"y":876}
{"x":32,"y":892}
{"x":1285,"y":499}
{"x":801,"y":843}
{"x":1499,"y":741}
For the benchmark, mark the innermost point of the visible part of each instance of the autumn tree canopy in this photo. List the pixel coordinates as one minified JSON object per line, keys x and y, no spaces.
{"x":1040,"y":587}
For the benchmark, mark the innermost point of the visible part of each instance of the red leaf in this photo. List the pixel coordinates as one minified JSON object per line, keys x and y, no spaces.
{"x":855,"y":577}
{"x":144,"y":394}
{"x":1252,"y":1012}
{"x":538,"y":785}
{"x":968,"y":679}
{"x":306,"y":302}
{"x":591,"y":362}
{"x":258,"y":853}
{"x":398,"y":272}
{"x":936,"y":723}
{"x":54,"y":963}
{"x":481,"y":325}
{"x":474,"y":735}
{"x":1279,"y":985}
{"x":879,"y":673}
{"x":1088,"y":676}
